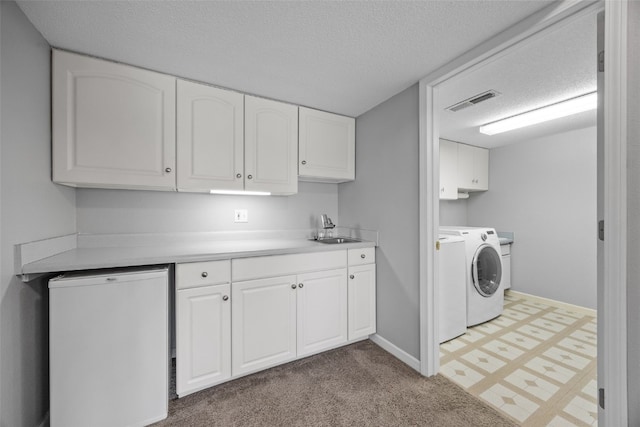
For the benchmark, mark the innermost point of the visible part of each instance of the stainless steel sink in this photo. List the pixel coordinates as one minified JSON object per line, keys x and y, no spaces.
{"x":337,"y":240}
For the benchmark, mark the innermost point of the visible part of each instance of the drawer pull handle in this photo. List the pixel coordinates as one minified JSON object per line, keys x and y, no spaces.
{"x":363,"y":256}
{"x":225,"y":298}
{"x":204,"y":274}
{"x":352,"y":277}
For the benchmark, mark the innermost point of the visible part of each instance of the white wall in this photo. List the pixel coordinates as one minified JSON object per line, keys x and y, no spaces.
{"x":31,"y":208}
{"x":544,"y":190}
{"x":633,"y":213}
{"x":123,"y":211}
{"x":384,"y":197}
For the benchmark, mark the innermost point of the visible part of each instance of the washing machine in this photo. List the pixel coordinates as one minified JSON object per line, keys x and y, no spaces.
{"x":452,"y":288}
{"x":485,"y":294}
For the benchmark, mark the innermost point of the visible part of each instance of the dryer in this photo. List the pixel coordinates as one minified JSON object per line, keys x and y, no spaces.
{"x":485,"y":293}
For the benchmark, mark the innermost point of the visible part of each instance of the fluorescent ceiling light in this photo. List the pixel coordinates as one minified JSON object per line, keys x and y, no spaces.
{"x":241,"y":193}
{"x":550,"y":112}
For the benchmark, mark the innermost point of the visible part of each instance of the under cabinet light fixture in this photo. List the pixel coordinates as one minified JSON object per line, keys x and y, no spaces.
{"x":565,"y":108}
{"x":240,"y":193}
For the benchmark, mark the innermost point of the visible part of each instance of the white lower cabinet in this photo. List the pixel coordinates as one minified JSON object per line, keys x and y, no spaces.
{"x":203,"y":350}
{"x":362,"y":301}
{"x":263,"y":323}
{"x":276,"y":309}
{"x":322,"y":310}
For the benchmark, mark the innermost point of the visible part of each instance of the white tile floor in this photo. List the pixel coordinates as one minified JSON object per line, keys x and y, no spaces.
{"x":535,"y":363}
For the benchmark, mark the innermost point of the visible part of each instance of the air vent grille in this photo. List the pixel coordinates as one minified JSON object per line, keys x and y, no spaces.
{"x":481,"y":97}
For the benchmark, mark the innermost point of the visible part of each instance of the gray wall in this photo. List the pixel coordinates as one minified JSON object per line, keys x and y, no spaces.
{"x":633,"y":214}
{"x":122,"y":211}
{"x":544,"y":190}
{"x":384,"y":197}
{"x":454,"y":212}
{"x":32,"y":208}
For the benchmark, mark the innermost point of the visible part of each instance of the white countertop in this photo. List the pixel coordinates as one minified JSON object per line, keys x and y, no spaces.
{"x":86,"y":258}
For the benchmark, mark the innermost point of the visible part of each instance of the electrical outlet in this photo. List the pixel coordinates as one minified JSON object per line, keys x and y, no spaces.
{"x":241,"y":215}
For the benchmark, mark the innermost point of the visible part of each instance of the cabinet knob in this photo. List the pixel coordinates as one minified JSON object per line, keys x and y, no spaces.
{"x":293,"y":286}
{"x":300,"y":285}
{"x":250,"y":176}
{"x":167,"y":170}
{"x":225,"y":298}
{"x":238,"y":175}
{"x":363,"y":256}
{"x":204,"y":274}
{"x":352,"y":277}
{"x":304,"y":162}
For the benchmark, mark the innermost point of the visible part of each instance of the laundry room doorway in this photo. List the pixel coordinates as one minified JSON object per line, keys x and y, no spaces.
{"x":612,"y":344}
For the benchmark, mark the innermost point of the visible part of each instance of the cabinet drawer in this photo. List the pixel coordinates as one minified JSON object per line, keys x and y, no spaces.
{"x":362,"y":256}
{"x":196,"y":274}
{"x":282,"y":265}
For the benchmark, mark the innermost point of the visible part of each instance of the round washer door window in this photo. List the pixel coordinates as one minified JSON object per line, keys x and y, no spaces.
{"x":486,"y":270}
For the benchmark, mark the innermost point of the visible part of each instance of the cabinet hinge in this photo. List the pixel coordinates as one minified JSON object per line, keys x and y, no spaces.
{"x":601,"y":397}
{"x":601,"y":61}
{"x":601,"y":230}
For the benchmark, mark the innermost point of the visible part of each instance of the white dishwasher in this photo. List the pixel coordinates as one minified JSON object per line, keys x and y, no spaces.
{"x":108,"y":348}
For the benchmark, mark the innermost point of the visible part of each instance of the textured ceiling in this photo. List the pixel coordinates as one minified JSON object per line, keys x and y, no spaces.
{"x":338,"y":56}
{"x":549,"y":69}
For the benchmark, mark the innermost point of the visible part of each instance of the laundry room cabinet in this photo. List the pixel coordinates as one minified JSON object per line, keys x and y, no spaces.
{"x":448,"y":170}
{"x":203,"y":325}
{"x":326,"y":146}
{"x":473,"y":168}
{"x":210,"y":138}
{"x":113,"y":125}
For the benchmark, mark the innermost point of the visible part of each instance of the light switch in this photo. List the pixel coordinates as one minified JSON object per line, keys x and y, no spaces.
{"x":241,"y":215}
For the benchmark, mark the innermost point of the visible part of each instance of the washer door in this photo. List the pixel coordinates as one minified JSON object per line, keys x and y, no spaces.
{"x":486,"y":270}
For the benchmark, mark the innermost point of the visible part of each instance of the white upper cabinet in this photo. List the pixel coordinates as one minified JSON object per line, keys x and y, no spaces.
{"x":210,"y":141}
{"x":271,"y":146}
{"x":327,"y":147}
{"x":473,"y":168}
{"x":113,"y":125}
{"x":448,"y":170}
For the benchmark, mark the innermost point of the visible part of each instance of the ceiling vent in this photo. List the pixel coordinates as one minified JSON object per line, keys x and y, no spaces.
{"x":484,"y":96}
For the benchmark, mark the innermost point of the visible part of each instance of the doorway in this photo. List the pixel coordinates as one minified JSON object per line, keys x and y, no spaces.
{"x":613,"y":374}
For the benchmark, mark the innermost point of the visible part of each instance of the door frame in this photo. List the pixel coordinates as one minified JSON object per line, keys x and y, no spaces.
{"x":614,"y":344}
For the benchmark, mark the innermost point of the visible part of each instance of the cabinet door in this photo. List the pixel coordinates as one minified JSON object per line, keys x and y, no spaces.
{"x":322,"y":310}
{"x":263,"y":323}
{"x":473,"y":168}
{"x":327,"y":146}
{"x":466,"y":167}
{"x":113,"y":125}
{"x":482,"y":169}
{"x":271,"y":146}
{"x":362,"y":301}
{"x":210,"y":138}
{"x":448,"y":170}
{"x":506,"y":272}
{"x":203,"y":334}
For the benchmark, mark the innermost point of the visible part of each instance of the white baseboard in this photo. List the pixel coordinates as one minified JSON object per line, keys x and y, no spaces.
{"x":396,"y":352}
{"x":554,"y":303}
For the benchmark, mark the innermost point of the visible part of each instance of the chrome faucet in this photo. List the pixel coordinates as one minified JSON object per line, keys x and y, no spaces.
{"x":326,"y":222}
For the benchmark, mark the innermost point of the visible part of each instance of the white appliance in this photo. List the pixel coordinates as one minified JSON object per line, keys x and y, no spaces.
{"x":485,"y":295}
{"x":109,"y":348}
{"x":452,"y":288}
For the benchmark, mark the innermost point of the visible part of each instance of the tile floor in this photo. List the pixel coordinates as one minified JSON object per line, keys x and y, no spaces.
{"x":536,"y":363}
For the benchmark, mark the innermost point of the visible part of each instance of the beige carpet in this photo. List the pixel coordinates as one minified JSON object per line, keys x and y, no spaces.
{"x":356,"y":385}
{"x":536,"y":363}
